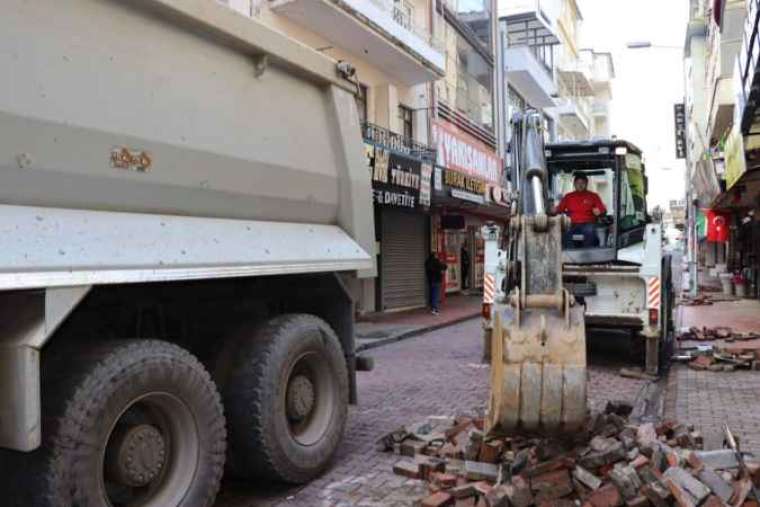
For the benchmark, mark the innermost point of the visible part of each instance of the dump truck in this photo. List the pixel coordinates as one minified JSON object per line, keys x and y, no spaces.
{"x":186,"y":217}
{"x":547,"y":281}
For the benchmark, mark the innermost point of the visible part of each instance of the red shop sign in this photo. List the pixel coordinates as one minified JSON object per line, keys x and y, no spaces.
{"x":459,"y":151}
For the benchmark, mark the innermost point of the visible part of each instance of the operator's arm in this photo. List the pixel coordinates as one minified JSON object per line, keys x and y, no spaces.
{"x":599,"y":205}
{"x":562,"y":206}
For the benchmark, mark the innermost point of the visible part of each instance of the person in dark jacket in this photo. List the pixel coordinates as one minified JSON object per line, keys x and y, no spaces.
{"x":465,"y":261}
{"x":434,"y":270}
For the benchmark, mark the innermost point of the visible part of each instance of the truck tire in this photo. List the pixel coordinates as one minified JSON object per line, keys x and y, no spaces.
{"x":285,"y":393}
{"x":134,"y":422}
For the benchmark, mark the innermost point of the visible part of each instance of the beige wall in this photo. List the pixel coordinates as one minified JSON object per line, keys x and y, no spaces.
{"x":383,"y":93}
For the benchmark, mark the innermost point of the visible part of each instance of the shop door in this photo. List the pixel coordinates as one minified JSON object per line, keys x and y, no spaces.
{"x":403,"y":249}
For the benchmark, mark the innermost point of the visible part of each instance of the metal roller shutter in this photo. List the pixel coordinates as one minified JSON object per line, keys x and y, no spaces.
{"x":403,"y":249}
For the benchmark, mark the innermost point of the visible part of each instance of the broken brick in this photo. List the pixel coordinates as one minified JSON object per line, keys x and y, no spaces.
{"x":687,"y":481}
{"x":606,"y":496}
{"x":586,"y":478}
{"x":713,"y":501}
{"x":482,"y":488}
{"x":683,"y":498}
{"x":520,"y":494}
{"x":498,"y":496}
{"x":490,"y":452}
{"x":445,"y":480}
{"x":557,"y":502}
{"x":627,"y":481}
{"x":411,"y":447}
{"x":646,"y":435}
{"x":463,"y":491}
{"x":476,"y":471}
{"x":440,"y":499}
{"x":657,"y":494}
{"x":407,"y":469}
{"x":551,"y":485}
{"x":742,"y":489}
{"x":639,"y":461}
{"x":715,"y":483}
{"x":637,"y":501}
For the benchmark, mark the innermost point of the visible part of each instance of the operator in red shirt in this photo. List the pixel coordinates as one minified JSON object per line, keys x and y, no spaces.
{"x":583,"y":207}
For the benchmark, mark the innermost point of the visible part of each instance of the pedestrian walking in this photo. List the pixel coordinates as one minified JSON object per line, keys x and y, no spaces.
{"x":434,"y":270}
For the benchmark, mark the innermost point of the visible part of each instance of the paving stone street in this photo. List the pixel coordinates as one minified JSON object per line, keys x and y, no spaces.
{"x":437,"y":373}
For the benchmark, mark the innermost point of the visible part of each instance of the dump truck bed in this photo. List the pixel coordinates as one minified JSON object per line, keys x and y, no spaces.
{"x":175,"y":108}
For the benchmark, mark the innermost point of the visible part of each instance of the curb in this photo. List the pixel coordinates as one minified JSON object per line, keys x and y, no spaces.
{"x":413,"y":332}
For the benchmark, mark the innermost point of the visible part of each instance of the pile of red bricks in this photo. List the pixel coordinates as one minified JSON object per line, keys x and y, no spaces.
{"x":610,"y":464}
{"x":716,"y":333}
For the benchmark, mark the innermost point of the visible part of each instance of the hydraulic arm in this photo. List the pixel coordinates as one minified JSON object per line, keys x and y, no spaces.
{"x":538,"y":344}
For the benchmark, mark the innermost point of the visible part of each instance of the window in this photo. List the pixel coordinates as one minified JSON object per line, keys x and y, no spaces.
{"x":405,"y":122}
{"x":600,"y":181}
{"x":361,"y":103}
{"x":470,"y":88}
{"x":477,"y":16}
{"x":632,"y":194}
{"x":403,"y":14}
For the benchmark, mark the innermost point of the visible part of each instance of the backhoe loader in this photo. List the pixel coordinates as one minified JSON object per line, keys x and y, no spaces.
{"x":544,"y":284}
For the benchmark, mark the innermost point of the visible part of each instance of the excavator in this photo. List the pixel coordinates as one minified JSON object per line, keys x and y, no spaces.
{"x":544,"y":285}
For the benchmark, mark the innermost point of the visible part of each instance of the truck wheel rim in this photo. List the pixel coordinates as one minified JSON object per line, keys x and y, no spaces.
{"x":310,"y":397}
{"x":151,"y":454}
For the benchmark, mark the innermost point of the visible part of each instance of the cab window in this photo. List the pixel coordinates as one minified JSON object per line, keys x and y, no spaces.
{"x":600,"y":181}
{"x":632,"y":194}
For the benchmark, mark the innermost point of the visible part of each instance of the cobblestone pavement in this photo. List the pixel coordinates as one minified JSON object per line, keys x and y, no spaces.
{"x":438,"y":373}
{"x":710,"y":399}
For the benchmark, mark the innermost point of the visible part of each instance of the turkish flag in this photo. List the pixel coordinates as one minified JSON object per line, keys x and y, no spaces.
{"x":717,"y":226}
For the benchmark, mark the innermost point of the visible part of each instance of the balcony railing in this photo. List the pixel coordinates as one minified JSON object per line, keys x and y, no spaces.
{"x":397,"y":142}
{"x":405,"y":19}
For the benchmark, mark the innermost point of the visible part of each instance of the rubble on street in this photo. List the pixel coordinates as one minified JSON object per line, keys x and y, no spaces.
{"x":612,"y":463}
{"x":707,"y":299}
{"x":734,"y":352}
{"x":716,"y":333}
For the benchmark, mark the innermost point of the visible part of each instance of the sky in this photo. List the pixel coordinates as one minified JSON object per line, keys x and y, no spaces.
{"x":648,"y":81}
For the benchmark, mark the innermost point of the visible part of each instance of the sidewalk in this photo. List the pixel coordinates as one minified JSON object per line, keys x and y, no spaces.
{"x":710,"y":399}
{"x":379,"y":329}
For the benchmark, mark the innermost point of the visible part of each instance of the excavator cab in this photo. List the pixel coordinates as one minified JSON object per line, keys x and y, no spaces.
{"x":615,"y":173}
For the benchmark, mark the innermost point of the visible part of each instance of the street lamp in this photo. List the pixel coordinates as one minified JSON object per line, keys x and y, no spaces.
{"x":646,"y":44}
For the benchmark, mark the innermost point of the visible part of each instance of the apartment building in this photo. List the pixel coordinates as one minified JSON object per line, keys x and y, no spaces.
{"x":426,"y":101}
{"x":721,"y":54}
{"x":546,"y":69}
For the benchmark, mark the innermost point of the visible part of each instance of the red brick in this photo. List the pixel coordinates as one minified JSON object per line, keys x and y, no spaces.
{"x":439,"y":499}
{"x":445,"y":480}
{"x":482,"y":488}
{"x":407,"y":469}
{"x":551,"y":485}
{"x":683,"y":498}
{"x":606,"y":496}
{"x":713,"y":501}
{"x":639,"y":461}
{"x":695,"y":462}
{"x":490,"y":452}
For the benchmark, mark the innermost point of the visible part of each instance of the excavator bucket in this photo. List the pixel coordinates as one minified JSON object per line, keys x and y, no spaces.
{"x":538,"y":371}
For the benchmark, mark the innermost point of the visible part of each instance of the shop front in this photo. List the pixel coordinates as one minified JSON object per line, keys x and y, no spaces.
{"x":467,"y":193}
{"x":401,"y":194}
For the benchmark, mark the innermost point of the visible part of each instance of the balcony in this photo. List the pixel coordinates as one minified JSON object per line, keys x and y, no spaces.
{"x":574,"y":114}
{"x":374,"y":30}
{"x":748,"y":100}
{"x":529,"y":57}
{"x":724,"y":43}
{"x":381,"y":136}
